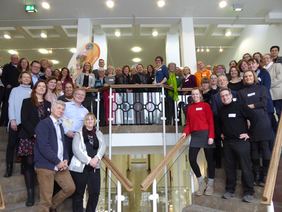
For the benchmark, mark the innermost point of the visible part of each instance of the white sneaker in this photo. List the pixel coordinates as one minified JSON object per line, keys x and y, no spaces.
{"x":209,"y":190}
{"x":202,"y":188}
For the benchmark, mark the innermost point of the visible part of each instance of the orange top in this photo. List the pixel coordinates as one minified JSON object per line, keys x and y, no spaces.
{"x":199,"y":75}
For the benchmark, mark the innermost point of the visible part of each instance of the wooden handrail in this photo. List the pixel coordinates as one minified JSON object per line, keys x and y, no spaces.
{"x":123,"y":180}
{"x":273,"y":167}
{"x":158,"y":170}
{"x":2,"y":203}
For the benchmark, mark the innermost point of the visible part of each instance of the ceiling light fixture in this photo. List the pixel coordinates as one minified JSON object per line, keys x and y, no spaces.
{"x":43,"y":35}
{"x":220,"y":49}
{"x":136,"y":49}
{"x":7,"y":36}
{"x":55,"y":62}
{"x":43,"y":51}
{"x":50,"y":51}
{"x":45,"y":5}
{"x":110,"y":3}
{"x":161,"y":3}
{"x":117,"y":33}
{"x":222,"y":4}
{"x":155,"y":33}
{"x":202,"y":50}
{"x":73,"y":50}
{"x":207,"y":50}
{"x":228,"y":33}
{"x":11,"y":51}
{"x":198,"y":50}
{"x":136,"y":60}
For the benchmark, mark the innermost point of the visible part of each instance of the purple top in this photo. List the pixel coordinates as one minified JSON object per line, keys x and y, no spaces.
{"x":189,"y":81}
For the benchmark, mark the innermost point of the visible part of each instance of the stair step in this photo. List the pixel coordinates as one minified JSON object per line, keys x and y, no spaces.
{"x":215,"y":202}
{"x":198,"y":208}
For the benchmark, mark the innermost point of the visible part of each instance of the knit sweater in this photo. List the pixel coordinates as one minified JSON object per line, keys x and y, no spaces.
{"x":199,"y":117}
{"x":18,"y":94}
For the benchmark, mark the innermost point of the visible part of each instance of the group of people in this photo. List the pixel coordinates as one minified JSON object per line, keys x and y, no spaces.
{"x":238,"y":111}
{"x":51,"y":129}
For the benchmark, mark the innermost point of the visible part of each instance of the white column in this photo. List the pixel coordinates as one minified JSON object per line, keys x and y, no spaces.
{"x":172,"y":48}
{"x":101,"y":41}
{"x":187,"y":37}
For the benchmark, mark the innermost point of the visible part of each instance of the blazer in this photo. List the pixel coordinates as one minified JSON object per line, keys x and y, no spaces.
{"x":80,"y":78}
{"x":30,"y":118}
{"x":46,"y":145}
{"x":80,"y":157}
{"x":275,"y":72}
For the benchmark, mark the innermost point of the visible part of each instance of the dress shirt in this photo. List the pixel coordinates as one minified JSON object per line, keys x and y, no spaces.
{"x":59,"y":139}
{"x":73,"y":117}
{"x":35,"y":78}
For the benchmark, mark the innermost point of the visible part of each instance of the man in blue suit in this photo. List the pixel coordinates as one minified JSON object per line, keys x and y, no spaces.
{"x":51,"y":160}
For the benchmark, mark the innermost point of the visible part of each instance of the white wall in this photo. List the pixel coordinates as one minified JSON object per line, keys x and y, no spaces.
{"x":253,"y":38}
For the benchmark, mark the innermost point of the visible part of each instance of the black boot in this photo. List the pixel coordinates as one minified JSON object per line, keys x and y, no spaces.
{"x":9,"y":170}
{"x":256,"y":171}
{"x":30,"y":197}
{"x":263,"y":173}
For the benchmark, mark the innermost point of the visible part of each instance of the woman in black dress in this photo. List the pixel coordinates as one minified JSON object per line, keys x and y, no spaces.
{"x":33,"y":110}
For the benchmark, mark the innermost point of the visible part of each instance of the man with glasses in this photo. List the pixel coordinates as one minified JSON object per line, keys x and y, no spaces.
{"x":35,"y":69}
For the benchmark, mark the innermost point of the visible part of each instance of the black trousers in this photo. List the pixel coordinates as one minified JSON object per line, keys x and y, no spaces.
{"x":4,"y":110}
{"x":193,"y":153}
{"x":91,"y":178}
{"x":238,"y":152}
{"x":260,"y":149}
{"x":169,"y":110}
{"x":13,"y":141}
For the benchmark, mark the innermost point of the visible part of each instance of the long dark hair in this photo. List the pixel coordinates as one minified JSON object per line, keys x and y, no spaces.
{"x":33,"y":96}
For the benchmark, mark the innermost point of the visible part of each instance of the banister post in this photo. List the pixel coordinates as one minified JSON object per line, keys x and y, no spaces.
{"x":98,"y":109}
{"x":119,"y":198}
{"x":154,"y":196}
{"x":110,"y":145}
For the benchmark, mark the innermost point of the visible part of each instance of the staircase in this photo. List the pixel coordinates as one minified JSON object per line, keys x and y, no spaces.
{"x":215,"y":203}
{"x":13,"y":188}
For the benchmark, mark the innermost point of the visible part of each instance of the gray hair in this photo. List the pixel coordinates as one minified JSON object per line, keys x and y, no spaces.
{"x":57,"y":102}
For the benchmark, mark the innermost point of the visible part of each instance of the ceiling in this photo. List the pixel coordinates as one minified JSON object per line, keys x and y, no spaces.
{"x":134,"y":18}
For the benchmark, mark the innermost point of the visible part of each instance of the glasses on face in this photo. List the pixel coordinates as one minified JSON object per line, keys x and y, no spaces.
{"x":38,"y":67}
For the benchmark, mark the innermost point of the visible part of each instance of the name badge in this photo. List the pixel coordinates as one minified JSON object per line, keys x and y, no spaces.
{"x":232,"y":115}
{"x":199,"y":108}
{"x":234,"y":99}
{"x":251,"y":94}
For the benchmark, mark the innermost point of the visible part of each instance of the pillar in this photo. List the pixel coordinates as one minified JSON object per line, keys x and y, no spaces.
{"x":172,"y":48}
{"x":188,"y":47}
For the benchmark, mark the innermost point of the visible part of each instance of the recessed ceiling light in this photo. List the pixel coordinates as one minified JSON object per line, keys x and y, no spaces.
{"x":117,"y":33}
{"x":161,"y":3}
{"x":220,"y":49}
{"x":73,"y":50}
{"x":7,"y":36}
{"x":55,"y":62}
{"x":11,"y":51}
{"x":222,"y":4}
{"x":45,"y":5}
{"x":198,"y":50}
{"x":136,"y":49}
{"x":207,"y":50}
{"x":136,"y":60}
{"x":202,"y":50}
{"x":155,"y":33}
{"x":228,"y":33}
{"x":43,"y":51}
{"x":43,"y":35}
{"x":50,"y":51}
{"x":110,"y":3}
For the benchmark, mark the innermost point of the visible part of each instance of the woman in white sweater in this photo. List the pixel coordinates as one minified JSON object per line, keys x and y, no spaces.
{"x":88,"y":147}
{"x":275,"y":72}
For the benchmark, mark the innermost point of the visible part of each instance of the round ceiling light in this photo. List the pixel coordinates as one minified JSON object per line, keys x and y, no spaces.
{"x":110,"y":3}
{"x":136,"y":60}
{"x":136,"y":49}
{"x":45,"y":5}
{"x":161,"y":3}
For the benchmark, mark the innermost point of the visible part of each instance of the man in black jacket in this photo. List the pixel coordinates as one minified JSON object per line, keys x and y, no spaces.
{"x":236,"y":145}
{"x":10,"y":78}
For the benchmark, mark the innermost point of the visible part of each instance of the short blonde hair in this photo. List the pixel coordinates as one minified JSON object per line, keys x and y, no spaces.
{"x":89,"y":115}
{"x":254,"y":74}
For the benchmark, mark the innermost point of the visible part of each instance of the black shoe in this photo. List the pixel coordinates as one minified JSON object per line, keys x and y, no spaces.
{"x":52,"y":210}
{"x":30,"y":198}
{"x":9,"y":171}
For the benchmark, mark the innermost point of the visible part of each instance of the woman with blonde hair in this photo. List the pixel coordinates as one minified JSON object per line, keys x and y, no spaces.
{"x":88,"y":147}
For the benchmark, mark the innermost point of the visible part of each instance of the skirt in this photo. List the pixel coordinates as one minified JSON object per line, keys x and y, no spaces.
{"x":26,"y":146}
{"x":200,"y":139}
